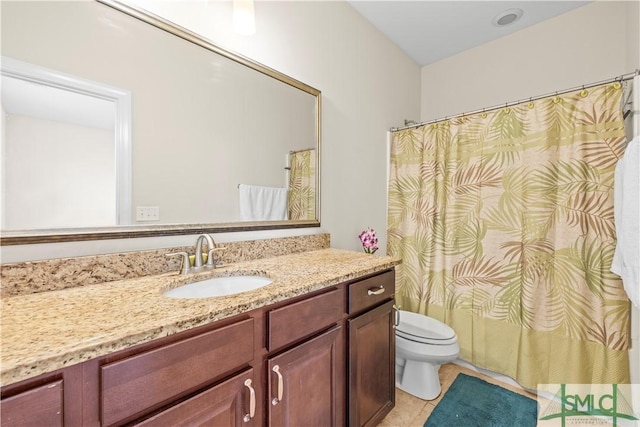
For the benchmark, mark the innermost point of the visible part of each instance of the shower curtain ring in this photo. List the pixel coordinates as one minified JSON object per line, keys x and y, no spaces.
{"x":584,"y":92}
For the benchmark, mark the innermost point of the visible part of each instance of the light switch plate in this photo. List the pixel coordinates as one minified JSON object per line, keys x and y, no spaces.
{"x":147,"y":213}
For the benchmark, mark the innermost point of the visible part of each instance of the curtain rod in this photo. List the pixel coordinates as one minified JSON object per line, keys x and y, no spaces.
{"x":621,"y":78}
{"x":300,"y":151}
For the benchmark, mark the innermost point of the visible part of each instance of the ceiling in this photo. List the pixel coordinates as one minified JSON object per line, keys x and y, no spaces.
{"x":429,"y":31}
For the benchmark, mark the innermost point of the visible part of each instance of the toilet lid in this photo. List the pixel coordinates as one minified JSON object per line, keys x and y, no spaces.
{"x":417,"y":327}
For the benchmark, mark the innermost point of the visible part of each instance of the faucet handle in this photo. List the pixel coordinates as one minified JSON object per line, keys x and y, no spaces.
{"x":210,"y":261}
{"x":186,"y":263}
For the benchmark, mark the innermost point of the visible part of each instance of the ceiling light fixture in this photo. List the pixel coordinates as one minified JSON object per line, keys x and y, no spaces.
{"x":507,"y":17}
{"x":244,"y":21}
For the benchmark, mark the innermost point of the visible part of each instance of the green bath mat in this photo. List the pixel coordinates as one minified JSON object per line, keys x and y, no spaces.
{"x":472,"y":402}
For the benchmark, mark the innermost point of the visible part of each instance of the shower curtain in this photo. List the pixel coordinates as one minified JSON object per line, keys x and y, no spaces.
{"x":504,"y":223}
{"x":302,"y":187}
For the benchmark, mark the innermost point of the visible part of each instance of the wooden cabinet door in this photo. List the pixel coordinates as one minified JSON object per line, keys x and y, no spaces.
{"x":371,"y":366}
{"x":40,"y":406}
{"x":304,"y":383}
{"x":229,"y":403}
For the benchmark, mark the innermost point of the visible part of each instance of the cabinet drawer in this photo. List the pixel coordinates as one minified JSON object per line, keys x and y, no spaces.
{"x":294,"y":321}
{"x":225,"y":404}
{"x":369,"y":292}
{"x":40,"y":406}
{"x":148,"y":380}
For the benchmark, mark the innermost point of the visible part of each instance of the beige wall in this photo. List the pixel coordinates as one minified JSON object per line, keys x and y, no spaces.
{"x":592,"y":43}
{"x":633,"y":35}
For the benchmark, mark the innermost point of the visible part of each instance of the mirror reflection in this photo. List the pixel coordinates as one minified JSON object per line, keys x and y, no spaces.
{"x":65,"y":146}
{"x":204,"y":129}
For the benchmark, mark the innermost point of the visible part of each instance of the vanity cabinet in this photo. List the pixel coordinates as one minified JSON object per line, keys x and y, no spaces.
{"x":321,"y":359}
{"x":371,"y":349}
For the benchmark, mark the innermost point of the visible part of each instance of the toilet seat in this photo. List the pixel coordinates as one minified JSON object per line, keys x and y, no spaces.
{"x":422,"y":329}
{"x":424,"y":340}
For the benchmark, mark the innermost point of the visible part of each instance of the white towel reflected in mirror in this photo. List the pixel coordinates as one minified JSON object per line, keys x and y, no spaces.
{"x":259,"y":203}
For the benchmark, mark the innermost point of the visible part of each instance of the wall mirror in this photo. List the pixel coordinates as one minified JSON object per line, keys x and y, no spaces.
{"x":193,"y":130}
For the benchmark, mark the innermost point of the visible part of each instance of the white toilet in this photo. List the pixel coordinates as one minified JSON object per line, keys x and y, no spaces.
{"x":422,"y":345}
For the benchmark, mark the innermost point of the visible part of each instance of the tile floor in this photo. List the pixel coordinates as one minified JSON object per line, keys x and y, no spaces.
{"x":413,"y":412}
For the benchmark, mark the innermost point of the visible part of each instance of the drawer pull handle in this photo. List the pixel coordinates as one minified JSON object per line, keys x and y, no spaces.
{"x":276,"y":400}
{"x":252,"y":402}
{"x":374,"y":291}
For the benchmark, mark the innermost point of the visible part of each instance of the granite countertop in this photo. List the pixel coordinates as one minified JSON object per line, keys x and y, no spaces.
{"x":47,"y":331}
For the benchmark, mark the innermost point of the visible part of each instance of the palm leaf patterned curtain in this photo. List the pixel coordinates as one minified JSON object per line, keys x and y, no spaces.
{"x":504,"y":222}
{"x":302,"y":185}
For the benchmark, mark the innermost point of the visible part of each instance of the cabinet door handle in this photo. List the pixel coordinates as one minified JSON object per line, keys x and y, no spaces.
{"x":396,"y":311}
{"x":276,"y":400}
{"x":252,"y":402}
{"x":376,"y":291}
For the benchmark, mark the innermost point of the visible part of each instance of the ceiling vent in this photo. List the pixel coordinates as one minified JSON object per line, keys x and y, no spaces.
{"x":507,"y":17}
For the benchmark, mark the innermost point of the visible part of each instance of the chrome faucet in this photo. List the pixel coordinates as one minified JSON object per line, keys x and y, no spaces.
{"x":212,"y":248}
{"x":198,"y":263}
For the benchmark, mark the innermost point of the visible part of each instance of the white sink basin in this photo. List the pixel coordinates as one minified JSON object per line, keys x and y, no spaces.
{"x":218,"y":287}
